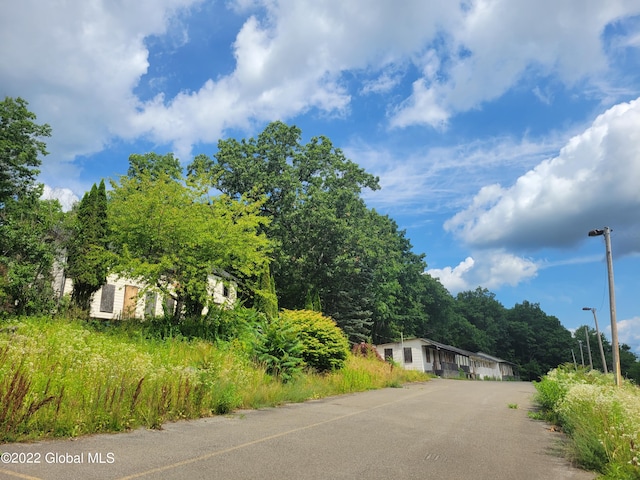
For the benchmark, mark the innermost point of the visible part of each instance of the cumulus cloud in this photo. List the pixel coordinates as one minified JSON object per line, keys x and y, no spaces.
{"x":79,"y":63}
{"x":492,"y":45}
{"x":64,"y":195}
{"x":629,"y":333}
{"x":591,"y":183}
{"x":489,"y":269}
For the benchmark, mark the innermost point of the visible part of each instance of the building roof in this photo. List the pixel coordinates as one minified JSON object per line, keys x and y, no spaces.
{"x":459,"y":351}
{"x":438,"y":345}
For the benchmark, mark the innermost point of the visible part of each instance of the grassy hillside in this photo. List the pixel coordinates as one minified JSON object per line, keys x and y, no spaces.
{"x":68,"y":378}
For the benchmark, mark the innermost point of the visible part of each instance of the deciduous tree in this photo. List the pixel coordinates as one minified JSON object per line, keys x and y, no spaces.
{"x":174,"y":236}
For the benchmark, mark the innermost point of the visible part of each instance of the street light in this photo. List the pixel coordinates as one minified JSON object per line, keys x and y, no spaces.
{"x":595,"y":319}
{"x":606,"y":231}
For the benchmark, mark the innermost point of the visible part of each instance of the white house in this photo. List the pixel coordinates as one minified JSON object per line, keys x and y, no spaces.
{"x":428,"y":356}
{"x":487,"y":366}
{"x":126,"y":298}
{"x":444,"y":360}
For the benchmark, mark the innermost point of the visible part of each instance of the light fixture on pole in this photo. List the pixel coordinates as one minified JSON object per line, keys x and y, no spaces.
{"x":606,"y":231}
{"x":595,"y":319}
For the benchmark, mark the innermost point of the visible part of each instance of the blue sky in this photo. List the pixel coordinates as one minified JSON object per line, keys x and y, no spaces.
{"x":502,"y":132}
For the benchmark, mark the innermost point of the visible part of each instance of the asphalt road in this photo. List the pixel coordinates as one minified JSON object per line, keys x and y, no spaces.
{"x":442,"y":429}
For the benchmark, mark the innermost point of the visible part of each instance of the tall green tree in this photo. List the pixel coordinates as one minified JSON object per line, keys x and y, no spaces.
{"x":20,"y":148}
{"x":172,"y":236}
{"x":536,"y":341}
{"x":88,"y":255}
{"x":153,"y":165}
{"x":29,"y":240}
{"x":28,"y":225}
{"x":483,"y":311}
{"x":328,"y":244}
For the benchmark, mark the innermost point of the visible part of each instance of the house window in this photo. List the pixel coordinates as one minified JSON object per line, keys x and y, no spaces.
{"x":428,"y":354}
{"x":169,"y":305}
{"x":225,"y":291}
{"x":107,"y":297}
{"x":408,"y":355}
{"x":150,"y":300}
{"x":388,"y":354}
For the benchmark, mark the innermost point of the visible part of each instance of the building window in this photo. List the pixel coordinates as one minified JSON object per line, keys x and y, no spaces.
{"x":169,"y":305}
{"x":388,"y":354}
{"x":107,"y":297}
{"x":428,"y":354}
{"x":408,"y":355}
{"x":225,"y":291}
{"x":150,"y":300}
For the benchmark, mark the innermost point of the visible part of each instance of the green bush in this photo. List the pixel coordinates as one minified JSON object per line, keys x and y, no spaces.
{"x":325,"y":347}
{"x":279,"y":349}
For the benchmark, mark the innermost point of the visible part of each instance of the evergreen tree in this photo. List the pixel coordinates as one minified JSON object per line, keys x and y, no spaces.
{"x":88,"y":255}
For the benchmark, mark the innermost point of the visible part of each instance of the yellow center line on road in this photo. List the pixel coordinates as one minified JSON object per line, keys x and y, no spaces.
{"x":264,"y":439}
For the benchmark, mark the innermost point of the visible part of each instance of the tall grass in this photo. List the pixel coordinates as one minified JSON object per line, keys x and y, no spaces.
{"x":65,"y":378}
{"x":602,"y":420}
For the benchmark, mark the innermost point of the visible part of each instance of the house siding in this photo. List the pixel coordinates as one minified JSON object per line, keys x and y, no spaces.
{"x":110,"y":302}
{"x":447,"y":361}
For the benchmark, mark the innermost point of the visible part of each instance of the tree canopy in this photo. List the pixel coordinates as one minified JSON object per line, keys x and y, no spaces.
{"x":20,"y":148}
{"x":29,"y":227}
{"x":173,"y":236}
{"x":290,"y":225}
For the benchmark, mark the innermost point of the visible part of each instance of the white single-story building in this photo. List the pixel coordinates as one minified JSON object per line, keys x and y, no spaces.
{"x":126,"y":298}
{"x":487,"y":366}
{"x":444,"y":360}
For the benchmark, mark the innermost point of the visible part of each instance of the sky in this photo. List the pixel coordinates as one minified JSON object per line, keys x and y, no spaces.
{"x":502,"y":131}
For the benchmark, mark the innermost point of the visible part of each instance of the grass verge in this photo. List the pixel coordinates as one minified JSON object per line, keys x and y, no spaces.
{"x":601,"y":420}
{"x":64,"y":378}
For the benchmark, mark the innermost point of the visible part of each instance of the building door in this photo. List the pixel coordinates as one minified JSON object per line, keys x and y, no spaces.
{"x":130,"y":301}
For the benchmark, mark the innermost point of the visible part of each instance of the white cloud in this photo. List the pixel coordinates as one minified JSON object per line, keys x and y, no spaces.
{"x":495,"y":44}
{"x":486,"y":269}
{"x":443,"y":179}
{"x":591,"y":183}
{"x":78,"y":63}
{"x":453,"y":278}
{"x":64,"y":195}
{"x":629,"y":333}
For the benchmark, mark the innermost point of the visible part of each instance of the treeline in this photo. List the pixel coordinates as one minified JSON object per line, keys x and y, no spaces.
{"x":288,"y":222}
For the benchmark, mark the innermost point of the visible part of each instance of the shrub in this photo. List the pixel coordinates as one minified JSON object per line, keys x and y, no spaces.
{"x":325,"y":347}
{"x":366,"y":350}
{"x":279,"y":349}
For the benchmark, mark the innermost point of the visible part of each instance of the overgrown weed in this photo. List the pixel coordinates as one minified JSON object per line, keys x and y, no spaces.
{"x":602,"y":420}
{"x":64,"y":378}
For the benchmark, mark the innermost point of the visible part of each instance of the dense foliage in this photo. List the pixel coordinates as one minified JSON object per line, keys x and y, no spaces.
{"x":325,"y":347}
{"x":88,"y":256}
{"x":602,"y":420}
{"x":29,"y":227}
{"x":105,"y":378}
{"x":290,"y":226}
{"x":174,"y":235}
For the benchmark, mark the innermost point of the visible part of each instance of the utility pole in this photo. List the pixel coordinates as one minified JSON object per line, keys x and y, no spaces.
{"x":581,"y":354}
{"x":586,"y":334}
{"x":595,"y":319}
{"x":606,"y":231}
